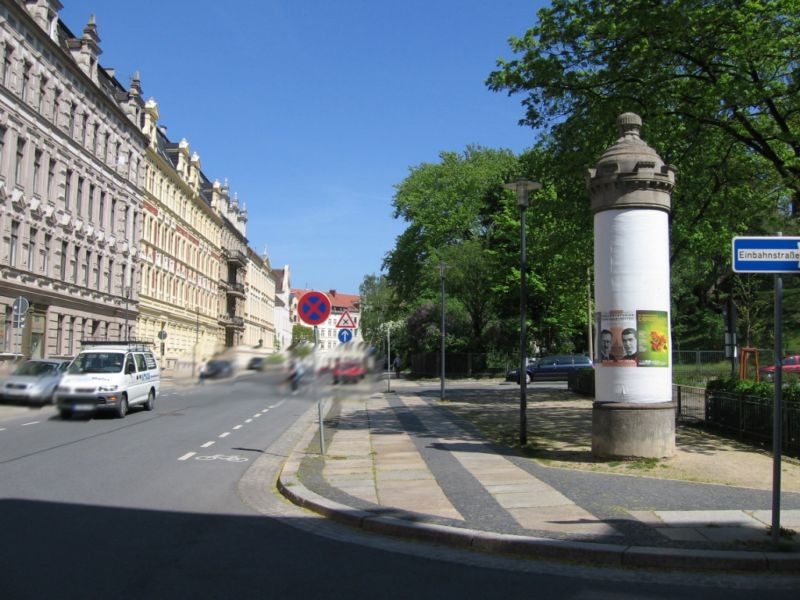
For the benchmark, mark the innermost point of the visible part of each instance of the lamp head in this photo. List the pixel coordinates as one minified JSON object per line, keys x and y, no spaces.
{"x":523,"y":187}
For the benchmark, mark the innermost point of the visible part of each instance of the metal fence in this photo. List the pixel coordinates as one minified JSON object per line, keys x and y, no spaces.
{"x":469,"y":364}
{"x":746,"y":417}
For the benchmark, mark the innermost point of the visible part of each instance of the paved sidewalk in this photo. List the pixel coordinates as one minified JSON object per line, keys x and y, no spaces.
{"x":400,"y":463}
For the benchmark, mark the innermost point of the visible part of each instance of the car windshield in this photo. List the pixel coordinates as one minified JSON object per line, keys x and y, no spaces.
{"x":36,"y":369}
{"x":97,"y":362}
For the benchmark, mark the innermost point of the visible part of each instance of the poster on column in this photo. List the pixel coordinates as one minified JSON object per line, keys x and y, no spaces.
{"x":616,"y":334}
{"x":653,"y":338}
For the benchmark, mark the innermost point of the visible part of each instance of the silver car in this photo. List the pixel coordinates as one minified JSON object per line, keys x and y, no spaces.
{"x":33,"y":382}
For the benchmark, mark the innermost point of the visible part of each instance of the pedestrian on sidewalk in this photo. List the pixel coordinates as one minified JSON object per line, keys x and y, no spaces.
{"x":397,"y":366}
{"x":201,"y":378}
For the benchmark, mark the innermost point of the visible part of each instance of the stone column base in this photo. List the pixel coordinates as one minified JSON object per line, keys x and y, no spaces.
{"x":628,"y":430}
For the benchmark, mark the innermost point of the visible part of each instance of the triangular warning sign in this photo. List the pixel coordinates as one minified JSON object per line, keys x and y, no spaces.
{"x":346,"y":321}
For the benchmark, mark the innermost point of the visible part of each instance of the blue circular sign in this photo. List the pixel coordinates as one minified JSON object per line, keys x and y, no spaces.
{"x":345,"y":335}
{"x":313,"y":308}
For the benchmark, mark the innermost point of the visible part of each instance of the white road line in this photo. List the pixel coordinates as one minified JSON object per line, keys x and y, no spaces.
{"x":187,"y":456}
{"x":31,"y":423}
{"x":248,"y":420}
{"x":278,"y":404}
{"x":207,"y":444}
{"x":237,"y":427}
{"x":226,"y":434}
{"x":256,"y":416}
{"x":2,"y":428}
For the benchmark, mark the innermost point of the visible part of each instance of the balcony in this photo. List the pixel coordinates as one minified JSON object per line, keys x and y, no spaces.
{"x":231,"y":322}
{"x":234,"y":257}
{"x":235,"y":289}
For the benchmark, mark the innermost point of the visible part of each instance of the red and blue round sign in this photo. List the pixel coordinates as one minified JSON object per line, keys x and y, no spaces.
{"x":313,"y":308}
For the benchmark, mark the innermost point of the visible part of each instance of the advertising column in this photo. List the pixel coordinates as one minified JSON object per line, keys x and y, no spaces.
{"x":630,"y":189}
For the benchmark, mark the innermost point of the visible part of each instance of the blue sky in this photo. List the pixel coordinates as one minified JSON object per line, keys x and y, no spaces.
{"x":315,"y":110}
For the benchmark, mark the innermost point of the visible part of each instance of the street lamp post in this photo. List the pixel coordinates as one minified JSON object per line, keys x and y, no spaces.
{"x":522,"y":187}
{"x":127,"y":292}
{"x":196,"y":337}
{"x":442,"y":273}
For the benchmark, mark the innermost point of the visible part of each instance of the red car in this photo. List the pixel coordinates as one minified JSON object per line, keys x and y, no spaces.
{"x":352,"y":371}
{"x":790,"y":365}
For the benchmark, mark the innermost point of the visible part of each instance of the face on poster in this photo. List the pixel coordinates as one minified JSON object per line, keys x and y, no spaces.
{"x":631,"y":338}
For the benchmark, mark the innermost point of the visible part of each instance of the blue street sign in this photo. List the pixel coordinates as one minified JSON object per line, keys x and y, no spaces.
{"x":766,"y":254}
{"x":345,"y":335}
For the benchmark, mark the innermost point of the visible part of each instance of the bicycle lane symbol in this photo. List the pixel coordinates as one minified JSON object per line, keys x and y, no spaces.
{"x":223,"y":457}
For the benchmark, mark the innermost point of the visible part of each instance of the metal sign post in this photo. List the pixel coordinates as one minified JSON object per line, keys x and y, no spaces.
{"x":772,"y":255}
{"x":315,"y":391}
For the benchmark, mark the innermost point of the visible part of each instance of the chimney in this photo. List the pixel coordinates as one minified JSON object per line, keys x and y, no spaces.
{"x":332,"y":293}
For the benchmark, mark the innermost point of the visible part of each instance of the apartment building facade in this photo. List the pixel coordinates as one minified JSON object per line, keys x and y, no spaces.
{"x":108,"y":229}
{"x":71,"y":157}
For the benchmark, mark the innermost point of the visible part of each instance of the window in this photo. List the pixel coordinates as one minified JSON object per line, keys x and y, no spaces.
{"x":19,"y":162}
{"x":87,"y":269}
{"x":73,"y":109}
{"x":51,"y":177}
{"x":113,"y":215}
{"x":46,"y":254}
{"x":110,"y":280}
{"x":31,"y":248}
{"x":63,"y":268}
{"x":74,"y":264}
{"x":42,"y":93}
{"x":95,"y":129}
{"x":101,"y":209}
{"x":79,"y":197}
{"x":2,"y":146}
{"x":7,"y":52}
{"x":96,"y":272}
{"x":67,"y":189}
{"x":26,"y":81}
{"x":37,"y":169}
{"x":101,"y":147}
{"x":12,"y":244}
{"x":70,"y":335}
{"x":56,"y":106}
{"x":90,"y":212}
{"x":60,"y":335}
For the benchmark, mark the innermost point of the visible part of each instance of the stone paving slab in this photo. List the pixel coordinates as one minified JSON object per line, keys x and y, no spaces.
{"x":493,"y":470}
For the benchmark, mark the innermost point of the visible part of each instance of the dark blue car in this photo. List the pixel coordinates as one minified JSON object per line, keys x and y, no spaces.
{"x":556,"y":367}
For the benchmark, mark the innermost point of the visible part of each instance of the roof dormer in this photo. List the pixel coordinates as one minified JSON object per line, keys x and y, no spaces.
{"x":45,"y":13}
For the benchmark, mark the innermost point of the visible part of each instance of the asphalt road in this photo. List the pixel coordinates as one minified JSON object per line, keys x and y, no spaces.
{"x":172,"y":504}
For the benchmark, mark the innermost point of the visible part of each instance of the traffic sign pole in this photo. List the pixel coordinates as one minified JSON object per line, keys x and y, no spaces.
{"x":774,"y":255}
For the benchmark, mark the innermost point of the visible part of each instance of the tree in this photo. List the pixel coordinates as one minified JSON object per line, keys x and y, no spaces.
{"x":301,"y":334}
{"x":716,"y":84}
{"x":727,"y":66}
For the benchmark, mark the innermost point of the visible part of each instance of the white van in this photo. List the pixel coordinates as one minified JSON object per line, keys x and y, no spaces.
{"x":109,"y":376}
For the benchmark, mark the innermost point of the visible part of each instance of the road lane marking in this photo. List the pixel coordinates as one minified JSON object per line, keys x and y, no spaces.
{"x":207,"y":444}
{"x":187,"y":456}
{"x":231,"y":458}
{"x":31,"y":423}
{"x":226,"y":434}
{"x":248,"y":420}
{"x":256,"y":416}
{"x":237,"y":427}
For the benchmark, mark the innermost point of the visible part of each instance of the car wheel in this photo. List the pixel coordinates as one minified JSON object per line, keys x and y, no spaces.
{"x":151,"y":400}
{"x":64,"y":413}
{"x":528,"y":377}
{"x":122,"y":407}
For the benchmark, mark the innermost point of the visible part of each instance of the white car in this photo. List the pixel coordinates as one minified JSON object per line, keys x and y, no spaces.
{"x":33,"y":382}
{"x":109,"y":377}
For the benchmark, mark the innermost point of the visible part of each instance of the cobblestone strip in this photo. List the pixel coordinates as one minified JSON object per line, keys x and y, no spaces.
{"x":348,"y":460}
{"x":372,"y":458}
{"x":531,"y":502}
